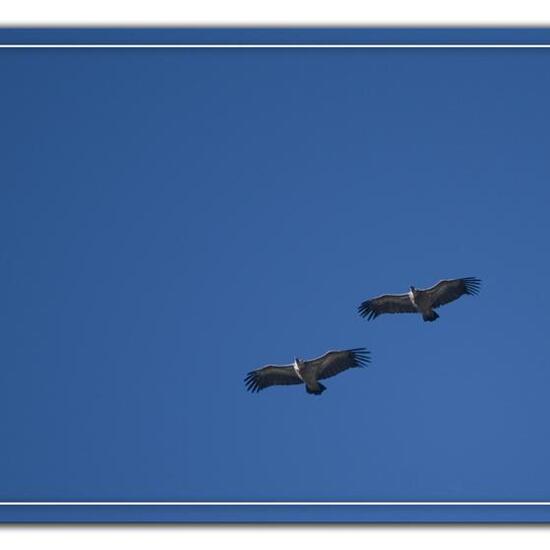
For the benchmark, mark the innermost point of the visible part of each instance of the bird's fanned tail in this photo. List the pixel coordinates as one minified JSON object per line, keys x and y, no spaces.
{"x":431,"y":316}
{"x":316,"y":391}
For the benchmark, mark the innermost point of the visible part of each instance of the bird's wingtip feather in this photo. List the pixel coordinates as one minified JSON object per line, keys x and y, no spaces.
{"x":472,"y":285}
{"x":366,"y":310}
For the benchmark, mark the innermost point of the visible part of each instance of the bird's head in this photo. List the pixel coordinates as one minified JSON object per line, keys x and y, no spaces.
{"x":297,"y":362}
{"x":413,"y":290}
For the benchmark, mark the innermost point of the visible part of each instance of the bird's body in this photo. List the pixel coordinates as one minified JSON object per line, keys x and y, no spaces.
{"x":422,"y":301}
{"x":307,"y":372}
{"x":308,"y":376}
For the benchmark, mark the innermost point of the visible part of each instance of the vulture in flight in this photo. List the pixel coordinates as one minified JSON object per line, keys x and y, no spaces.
{"x":307,"y":372}
{"x":422,"y":301}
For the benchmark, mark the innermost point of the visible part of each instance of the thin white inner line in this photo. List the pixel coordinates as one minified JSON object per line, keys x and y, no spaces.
{"x":266,"y":503}
{"x":280,"y":503}
{"x":305,"y":46}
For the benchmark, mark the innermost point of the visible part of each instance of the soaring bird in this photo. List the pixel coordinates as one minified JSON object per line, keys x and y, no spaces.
{"x":307,"y":372}
{"x":422,"y":301}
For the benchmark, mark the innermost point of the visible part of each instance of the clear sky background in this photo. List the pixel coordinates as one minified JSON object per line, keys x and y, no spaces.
{"x":171,"y":220}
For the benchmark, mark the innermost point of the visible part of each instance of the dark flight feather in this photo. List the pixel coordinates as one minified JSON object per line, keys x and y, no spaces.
{"x":388,"y":303}
{"x":329,"y":364}
{"x":271,"y":375}
{"x":442,"y":293}
{"x":335,"y":362}
{"x":447,"y":291}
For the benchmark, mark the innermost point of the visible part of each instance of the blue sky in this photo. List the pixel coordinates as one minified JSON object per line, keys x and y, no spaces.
{"x":175,"y":219}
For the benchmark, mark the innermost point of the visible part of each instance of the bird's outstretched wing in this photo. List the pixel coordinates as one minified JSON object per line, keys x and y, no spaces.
{"x":449,"y":290}
{"x":388,"y":303}
{"x":271,"y":375}
{"x":335,"y":362}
